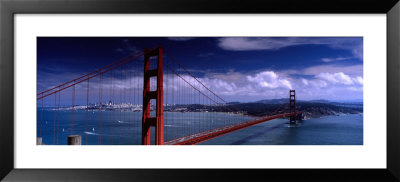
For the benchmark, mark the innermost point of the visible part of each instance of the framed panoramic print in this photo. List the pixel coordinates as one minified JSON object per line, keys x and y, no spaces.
{"x":200,"y":90}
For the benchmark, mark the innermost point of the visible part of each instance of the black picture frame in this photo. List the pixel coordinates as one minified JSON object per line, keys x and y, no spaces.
{"x":8,"y":8}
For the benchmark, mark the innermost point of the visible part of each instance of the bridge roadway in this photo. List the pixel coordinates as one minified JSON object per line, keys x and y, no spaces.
{"x":213,"y":133}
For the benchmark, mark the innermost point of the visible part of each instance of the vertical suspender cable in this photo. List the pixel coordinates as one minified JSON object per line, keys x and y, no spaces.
{"x":87,"y":112}
{"x":73,"y":108}
{"x":54,"y":121}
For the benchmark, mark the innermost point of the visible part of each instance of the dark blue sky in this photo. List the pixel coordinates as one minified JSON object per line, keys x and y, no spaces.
{"x":254,"y":68}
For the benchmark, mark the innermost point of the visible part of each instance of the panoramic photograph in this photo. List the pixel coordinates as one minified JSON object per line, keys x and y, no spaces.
{"x":199,"y":91}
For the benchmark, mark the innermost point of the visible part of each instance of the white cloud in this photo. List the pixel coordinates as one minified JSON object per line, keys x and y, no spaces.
{"x":358,"y":80}
{"x":246,"y":44}
{"x":305,"y":82}
{"x":340,"y":78}
{"x":269,"y":79}
{"x":355,"y":70}
{"x":274,"y":43}
{"x":358,"y":52}
{"x":222,"y":87}
{"x":318,"y":83}
{"x":356,"y":89}
{"x":327,"y":60}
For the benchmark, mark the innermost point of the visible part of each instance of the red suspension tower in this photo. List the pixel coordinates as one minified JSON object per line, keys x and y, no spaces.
{"x":158,"y":121}
{"x":292,"y":106}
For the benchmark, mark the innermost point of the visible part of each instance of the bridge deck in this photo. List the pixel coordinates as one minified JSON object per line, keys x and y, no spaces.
{"x":210,"y":134}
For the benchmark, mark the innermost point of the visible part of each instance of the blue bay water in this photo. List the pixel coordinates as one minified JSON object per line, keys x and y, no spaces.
{"x":124,"y":128}
{"x":328,"y":130}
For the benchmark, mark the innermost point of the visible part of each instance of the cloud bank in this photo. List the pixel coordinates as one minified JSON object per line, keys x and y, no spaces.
{"x":330,"y":84}
{"x":275,"y":43}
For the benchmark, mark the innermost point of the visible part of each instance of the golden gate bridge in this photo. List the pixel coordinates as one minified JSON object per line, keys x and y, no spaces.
{"x":179,"y":107}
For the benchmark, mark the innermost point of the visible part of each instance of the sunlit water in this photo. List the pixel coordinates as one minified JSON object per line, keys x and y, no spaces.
{"x":124,"y":128}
